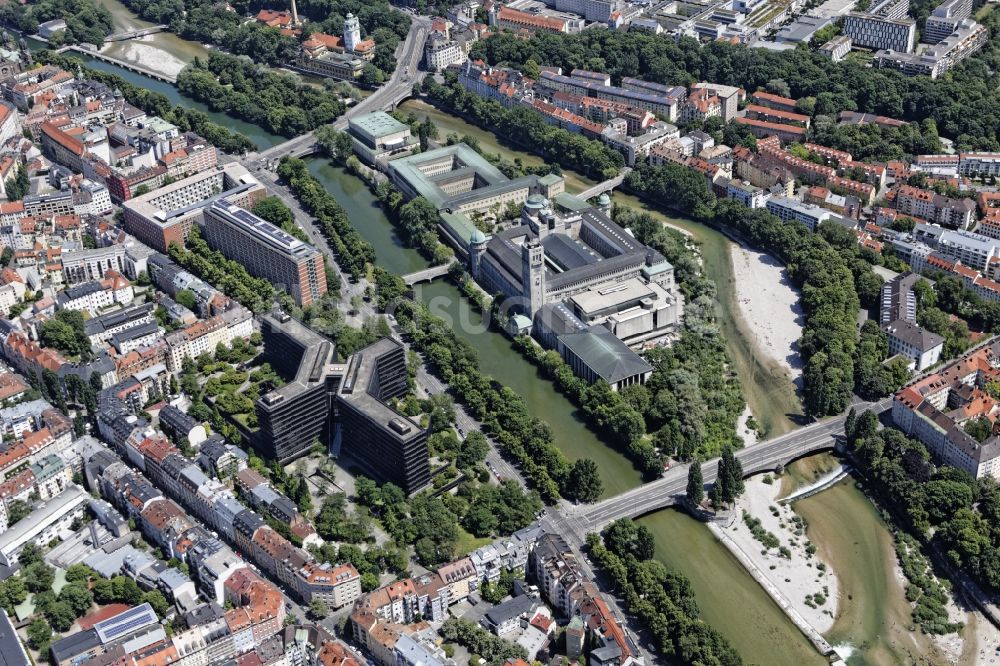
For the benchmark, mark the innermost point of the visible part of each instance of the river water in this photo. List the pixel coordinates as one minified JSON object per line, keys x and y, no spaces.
{"x":729,"y":598}
{"x":164,"y":51}
{"x":873,"y":616}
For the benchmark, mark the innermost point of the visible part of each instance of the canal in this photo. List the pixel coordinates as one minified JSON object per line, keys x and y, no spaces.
{"x":729,"y":598}
{"x":447,"y":124}
{"x":496,"y":356}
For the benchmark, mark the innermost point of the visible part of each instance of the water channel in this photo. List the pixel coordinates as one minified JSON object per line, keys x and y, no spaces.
{"x":724,"y":590}
{"x":873,"y":616}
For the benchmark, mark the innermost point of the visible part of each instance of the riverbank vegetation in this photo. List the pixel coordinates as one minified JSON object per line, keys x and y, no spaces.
{"x":525,"y":439}
{"x":827,"y":266}
{"x":157,"y":104}
{"x":526,"y":127}
{"x":276,"y":102}
{"x":353,"y":252}
{"x":939,"y":507}
{"x":965,"y":105}
{"x":86,"y":21}
{"x":660,"y":597}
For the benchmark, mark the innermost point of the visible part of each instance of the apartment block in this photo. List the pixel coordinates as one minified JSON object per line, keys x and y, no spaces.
{"x":927,"y":205}
{"x":979,"y":165}
{"x":266,"y":251}
{"x":793,"y":210}
{"x":935,"y":409}
{"x":166,"y":214}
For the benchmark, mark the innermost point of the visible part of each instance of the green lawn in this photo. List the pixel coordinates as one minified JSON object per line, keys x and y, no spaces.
{"x":468,"y":543}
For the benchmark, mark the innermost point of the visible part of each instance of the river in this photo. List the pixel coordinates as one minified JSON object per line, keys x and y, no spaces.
{"x":724,"y":590}
{"x":164,"y":51}
{"x":873,"y":616}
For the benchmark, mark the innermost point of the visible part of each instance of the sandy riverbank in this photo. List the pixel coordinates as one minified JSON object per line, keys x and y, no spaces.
{"x":141,"y":52}
{"x":770,"y":307}
{"x":743,"y":431}
{"x":799,"y":576}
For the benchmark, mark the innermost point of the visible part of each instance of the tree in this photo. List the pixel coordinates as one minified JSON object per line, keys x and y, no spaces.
{"x":39,"y":635}
{"x":187,"y":298}
{"x":472,"y":450}
{"x":126,"y":590}
{"x":78,"y":597}
{"x":104,"y":591}
{"x":695,"y":484}
{"x":585,"y":483}
{"x":730,"y":476}
{"x":18,"y":185}
{"x":318,"y":610}
{"x":645,"y":543}
{"x":369,"y":581}
{"x":38,"y":577}
{"x":17,"y":510}
{"x":60,"y":615}
{"x":158,"y":602}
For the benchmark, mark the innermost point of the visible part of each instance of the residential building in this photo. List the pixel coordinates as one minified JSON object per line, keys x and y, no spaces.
{"x":730,"y":97}
{"x":51,"y":520}
{"x":979,"y":165}
{"x":792,"y":210}
{"x":266,"y":251}
{"x":762,"y":129}
{"x":166,"y":214}
{"x":514,"y":19}
{"x":935,"y":408}
{"x":927,"y":205}
{"x":749,"y":195}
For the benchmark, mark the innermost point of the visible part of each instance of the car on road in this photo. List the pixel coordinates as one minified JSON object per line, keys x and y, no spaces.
{"x":461,"y":433}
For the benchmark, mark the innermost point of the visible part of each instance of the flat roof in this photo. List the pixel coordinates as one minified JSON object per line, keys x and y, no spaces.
{"x":261,"y":230}
{"x":409,"y":169}
{"x":599,"y":298}
{"x":377,"y":124}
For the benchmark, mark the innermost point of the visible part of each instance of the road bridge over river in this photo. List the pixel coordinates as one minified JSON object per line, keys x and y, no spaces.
{"x":607,"y":185}
{"x":666,"y":491}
